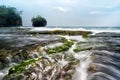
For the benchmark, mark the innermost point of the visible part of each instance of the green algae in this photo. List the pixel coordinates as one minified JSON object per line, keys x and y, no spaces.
{"x":26,"y":67}
{"x":66,"y":45}
{"x":62,"y":32}
{"x":21,"y":67}
{"x":79,"y":48}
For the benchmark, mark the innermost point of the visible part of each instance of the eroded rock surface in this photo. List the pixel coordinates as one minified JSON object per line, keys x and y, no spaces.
{"x":96,"y":58}
{"x":17,"y":48}
{"x":105,"y":59}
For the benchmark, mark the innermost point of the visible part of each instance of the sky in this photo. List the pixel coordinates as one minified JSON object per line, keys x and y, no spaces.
{"x":69,"y":12}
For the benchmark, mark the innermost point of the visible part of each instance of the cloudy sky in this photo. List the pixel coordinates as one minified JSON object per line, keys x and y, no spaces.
{"x":69,"y":12}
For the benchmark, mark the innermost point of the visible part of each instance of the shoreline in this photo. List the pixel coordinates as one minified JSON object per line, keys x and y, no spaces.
{"x":77,"y":50}
{"x":50,"y":29}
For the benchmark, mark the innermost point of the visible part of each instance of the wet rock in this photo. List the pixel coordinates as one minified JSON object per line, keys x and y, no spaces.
{"x":36,"y":54}
{"x":46,"y":68}
{"x":100,"y":78}
{"x":21,"y":47}
{"x":92,"y":68}
{"x":2,"y":65}
{"x":16,"y":41}
{"x":20,"y":77}
{"x":8,"y":59}
{"x":105,"y":64}
{"x":105,"y":59}
{"x":16,"y":59}
{"x":106,"y":34}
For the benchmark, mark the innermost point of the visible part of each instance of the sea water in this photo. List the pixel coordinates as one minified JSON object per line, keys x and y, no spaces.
{"x":95,"y":29}
{"x":74,"y":28}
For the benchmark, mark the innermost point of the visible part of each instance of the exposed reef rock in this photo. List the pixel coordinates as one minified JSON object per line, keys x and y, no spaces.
{"x":17,"y":48}
{"x":54,"y":67}
{"x":63,"y":32}
{"x":51,"y":57}
{"x":106,"y":34}
{"x":105,"y":59}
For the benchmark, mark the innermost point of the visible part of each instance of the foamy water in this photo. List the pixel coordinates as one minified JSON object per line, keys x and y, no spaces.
{"x":78,"y":38}
{"x":72,"y":28}
{"x":81,"y":70}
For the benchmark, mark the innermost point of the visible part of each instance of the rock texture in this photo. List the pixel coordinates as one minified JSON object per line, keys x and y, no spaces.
{"x":103,"y":49}
{"x":106,"y":63}
{"x":17,"y":48}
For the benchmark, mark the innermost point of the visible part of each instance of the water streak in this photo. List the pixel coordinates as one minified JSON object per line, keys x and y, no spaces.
{"x":81,"y":70}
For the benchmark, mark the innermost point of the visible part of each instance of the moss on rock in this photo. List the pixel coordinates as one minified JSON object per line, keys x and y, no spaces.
{"x":62,"y":32}
{"x":66,"y":45}
{"x":21,"y":67}
{"x":79,"y":48}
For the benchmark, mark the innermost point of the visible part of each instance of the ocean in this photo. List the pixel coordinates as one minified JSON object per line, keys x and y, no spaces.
{"x":49,"y":28}
{"x":88,"y":28}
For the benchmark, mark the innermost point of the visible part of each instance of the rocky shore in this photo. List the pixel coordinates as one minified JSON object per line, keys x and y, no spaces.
{"x":105,"y":58}
{"x":17,"y":48}
{"x":52,"y":57}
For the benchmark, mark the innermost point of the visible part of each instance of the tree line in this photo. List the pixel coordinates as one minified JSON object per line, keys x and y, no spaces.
{"x":11,"y":17}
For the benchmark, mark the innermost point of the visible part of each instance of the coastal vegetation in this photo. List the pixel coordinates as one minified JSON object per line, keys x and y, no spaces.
{"x":39,"y":21}
{"x":10,"y":16}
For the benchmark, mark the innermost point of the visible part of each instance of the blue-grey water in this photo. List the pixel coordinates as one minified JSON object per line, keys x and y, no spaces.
{"x":88,"y":28}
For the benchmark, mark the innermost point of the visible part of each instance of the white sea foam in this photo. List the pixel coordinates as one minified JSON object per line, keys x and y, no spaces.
{"x":52,"y":29}
{"x":78,"y":38}
{"x":95,"y":30}
{"x":81,"y":70}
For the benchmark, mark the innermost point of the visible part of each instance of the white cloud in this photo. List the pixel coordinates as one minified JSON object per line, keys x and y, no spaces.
{"x":95,"y":12}
{"x":67,"y":1}
{"x":61,"y":9}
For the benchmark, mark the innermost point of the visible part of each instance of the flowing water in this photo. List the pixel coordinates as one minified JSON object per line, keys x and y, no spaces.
{"x":101,"y":62}
{"x":80,"y":70}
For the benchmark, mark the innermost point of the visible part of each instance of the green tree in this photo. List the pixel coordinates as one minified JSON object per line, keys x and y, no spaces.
{"x":9,"y":16}
{"x":38,"y":21}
